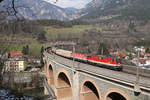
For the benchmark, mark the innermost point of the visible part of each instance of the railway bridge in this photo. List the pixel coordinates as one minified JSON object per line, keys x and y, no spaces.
{"x":72,"y":80}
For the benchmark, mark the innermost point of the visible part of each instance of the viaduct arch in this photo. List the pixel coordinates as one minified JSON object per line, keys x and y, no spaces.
{"x":115,"y":94}
{"x":89,"y":90}
{"x":64,"y":88}
{"x":51,"y":75}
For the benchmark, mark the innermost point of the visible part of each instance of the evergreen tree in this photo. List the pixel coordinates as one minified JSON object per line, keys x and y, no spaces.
{"x":24,"y":50}
{"x":147,"y":50}
{"x":27,"y":49}
{"x":42,"y":50}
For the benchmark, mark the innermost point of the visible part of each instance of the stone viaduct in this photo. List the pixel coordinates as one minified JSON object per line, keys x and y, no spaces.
{"x":72,"y":80}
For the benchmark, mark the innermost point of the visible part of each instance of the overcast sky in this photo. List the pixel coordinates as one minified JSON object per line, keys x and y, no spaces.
{"x":70,"y":3}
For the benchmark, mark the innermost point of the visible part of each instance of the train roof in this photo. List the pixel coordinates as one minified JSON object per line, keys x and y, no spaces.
{"x":104,"y":56}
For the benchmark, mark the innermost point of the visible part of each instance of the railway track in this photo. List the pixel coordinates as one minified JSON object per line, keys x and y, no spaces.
{"x":132,"y":70}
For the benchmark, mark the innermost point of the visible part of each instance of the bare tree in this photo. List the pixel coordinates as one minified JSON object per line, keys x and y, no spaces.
{"x":11,"y":9}
{"x":1,"y":0}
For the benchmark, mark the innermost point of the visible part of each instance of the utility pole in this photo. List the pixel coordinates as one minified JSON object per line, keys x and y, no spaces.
{"x":73,"y":52}
{"x":136,"y":86}
{"x":102,"y":51}
{"x":75,"y":75}
{"x":137,"y":71}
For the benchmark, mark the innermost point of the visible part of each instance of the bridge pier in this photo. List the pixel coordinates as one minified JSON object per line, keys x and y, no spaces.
{"x":76,"y":86}
{"x":45,"y":91}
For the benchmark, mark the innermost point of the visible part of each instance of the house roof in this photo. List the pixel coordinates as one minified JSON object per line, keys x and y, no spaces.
{"x":123,"y":54}
{"x":148,"y":54}
{"x":15,"y":53}
{"x":114,"y":54}
{"x":142,"y":61}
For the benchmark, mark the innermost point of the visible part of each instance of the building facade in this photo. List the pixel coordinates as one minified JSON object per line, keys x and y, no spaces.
{"x":15,"y":62}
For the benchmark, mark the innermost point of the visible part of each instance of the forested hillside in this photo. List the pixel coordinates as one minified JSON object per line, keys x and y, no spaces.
{"x":125,"y":9}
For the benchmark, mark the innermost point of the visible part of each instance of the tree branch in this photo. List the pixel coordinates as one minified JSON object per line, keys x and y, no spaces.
{"x":13,"y":7}
{"x":1,"y":0}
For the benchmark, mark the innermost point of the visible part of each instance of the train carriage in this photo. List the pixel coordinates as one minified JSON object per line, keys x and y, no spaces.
{"x":64,"y":53}
{"x":79,"y":57}
{"x":54,"y":49}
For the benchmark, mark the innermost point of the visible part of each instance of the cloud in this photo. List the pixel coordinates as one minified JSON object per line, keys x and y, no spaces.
{"x":70,"y":3}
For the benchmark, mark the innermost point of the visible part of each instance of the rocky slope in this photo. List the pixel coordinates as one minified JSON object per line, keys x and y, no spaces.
{"x":107,"y":9}
{"x":39,"y":9}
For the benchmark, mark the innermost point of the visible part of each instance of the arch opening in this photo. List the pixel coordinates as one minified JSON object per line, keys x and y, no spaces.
{"x":64,"y":89}
{"x":51,"y":76}
{"x":89,"y":92}
{"x":115,"y":96}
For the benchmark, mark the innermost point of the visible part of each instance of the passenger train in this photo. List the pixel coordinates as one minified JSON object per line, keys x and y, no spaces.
{"x":102,"y":61}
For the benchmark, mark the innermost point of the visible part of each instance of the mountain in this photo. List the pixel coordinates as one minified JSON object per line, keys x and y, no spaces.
{"x":70,"y":11}
{"x":96,"y":9}
{"x":108,"y":9}
{"x":40,"y":9}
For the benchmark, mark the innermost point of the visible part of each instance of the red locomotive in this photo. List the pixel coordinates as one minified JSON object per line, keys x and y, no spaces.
{"x":108,"y":62}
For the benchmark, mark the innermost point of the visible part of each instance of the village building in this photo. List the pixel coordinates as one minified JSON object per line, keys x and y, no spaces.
{"x":15,"y":62}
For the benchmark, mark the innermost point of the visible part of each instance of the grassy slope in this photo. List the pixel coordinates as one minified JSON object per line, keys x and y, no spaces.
{"x":67,"y":33}
{"x":34,"y":48}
